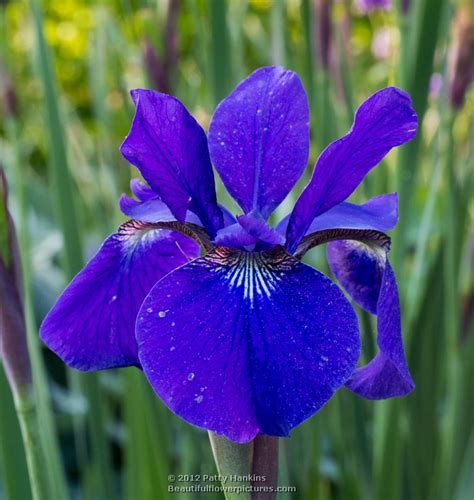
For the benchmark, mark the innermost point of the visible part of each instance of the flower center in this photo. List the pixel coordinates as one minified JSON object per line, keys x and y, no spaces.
{"x":254,"y":273}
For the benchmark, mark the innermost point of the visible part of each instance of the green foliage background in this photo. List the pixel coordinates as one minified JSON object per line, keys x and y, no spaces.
{"x":69,"y":66}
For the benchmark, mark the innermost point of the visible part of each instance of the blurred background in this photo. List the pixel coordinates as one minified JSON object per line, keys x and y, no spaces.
{"x":65,"y":72}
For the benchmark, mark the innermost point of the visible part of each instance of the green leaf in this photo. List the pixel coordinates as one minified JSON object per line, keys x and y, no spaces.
{"x":232,"y":459}
{"x":5,"y":237}
{"x":13,"y":471}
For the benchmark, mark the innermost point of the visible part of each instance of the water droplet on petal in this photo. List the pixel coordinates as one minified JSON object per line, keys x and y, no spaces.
{"x":199,"y":398}
{"x":190,"y":376}
{"x":149,"y":310}
{"x":162,"y":314}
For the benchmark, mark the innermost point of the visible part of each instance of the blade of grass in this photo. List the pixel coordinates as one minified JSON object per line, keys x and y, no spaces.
{"x":237,"y":12}
{"x":450,"y":446}
{"x":13,"y":472}
{"x":464,"y":485}
{"x":425,"y":34}
{"x":63,"y":198}
{"x":219,"y":49}
{"x":278,"y":31}
{"x":146,"y":449}
{"x":425,"y":359}
{"x":54,"y":472}
{"x":426,"y":22}
{"x":307,"y":25}
{"x":413,"y":289}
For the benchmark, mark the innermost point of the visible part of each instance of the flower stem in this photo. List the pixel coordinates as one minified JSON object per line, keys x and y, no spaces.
{"x":26,"y":412}
{"x":257,"y":460}
{"x":265,"y":465}
{"x":232,"y":459}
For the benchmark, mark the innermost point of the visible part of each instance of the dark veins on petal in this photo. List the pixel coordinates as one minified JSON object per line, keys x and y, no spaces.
{"x":92,"y":324}
{"x":247,"y":342}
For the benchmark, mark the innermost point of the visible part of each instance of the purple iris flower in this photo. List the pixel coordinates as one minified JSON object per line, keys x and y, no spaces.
{"x":233,"y":331}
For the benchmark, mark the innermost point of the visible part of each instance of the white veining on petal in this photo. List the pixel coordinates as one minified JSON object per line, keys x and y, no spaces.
{"x":255,"y":273}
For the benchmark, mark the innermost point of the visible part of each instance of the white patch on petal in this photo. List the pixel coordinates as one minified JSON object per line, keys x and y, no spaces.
{"x":254,"y":273}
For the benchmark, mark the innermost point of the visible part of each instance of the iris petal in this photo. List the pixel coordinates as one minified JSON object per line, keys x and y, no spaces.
{"x":259,"y":229}
{"x":241,"y":343}
{"x":259,"y":138}
{"x":359,"y":269}
{"x":379,"y":213}
{"x":367,"y":276}
{"x":170,"y":149}
{"x":151,"y":210}
{"x":92,"y":324}
{"x":234,"y":236}
{"x":141,"y":190}
{"x":383,"y":121}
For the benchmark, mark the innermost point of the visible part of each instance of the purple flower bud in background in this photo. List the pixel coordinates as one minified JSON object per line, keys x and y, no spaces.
{"x":153,"y":65}
{"x":322,"y":13}
{"x":13,"y":344}
{"x":461,"y":57}
{"x":436,"y":84}
{"x":367,"y":6}
{"x":7,"y":93}
{"x":405,"y":5}
{"x":161,"y":70}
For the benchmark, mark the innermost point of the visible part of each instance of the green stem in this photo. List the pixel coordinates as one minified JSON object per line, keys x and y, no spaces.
{"x":265,"y":466}
{"x":26,"y":411}
{"x":232,"y":459}
{"x":259,"y":458}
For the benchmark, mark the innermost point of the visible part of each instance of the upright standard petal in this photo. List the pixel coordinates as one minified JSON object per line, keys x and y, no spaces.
{"x":259,"y":139}
{"x":92,"y":324}
{"x":366,"y":274}
{"x":170,"y":149}
{"x":244,"y":343}
{"x":385,"y":120}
